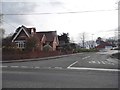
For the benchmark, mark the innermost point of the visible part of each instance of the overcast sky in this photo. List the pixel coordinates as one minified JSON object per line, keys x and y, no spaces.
{"x":98,"y":17}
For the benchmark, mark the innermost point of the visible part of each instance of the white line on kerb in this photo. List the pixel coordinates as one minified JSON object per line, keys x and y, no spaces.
{"x":94,"y":69}
{"x":72,"y":64}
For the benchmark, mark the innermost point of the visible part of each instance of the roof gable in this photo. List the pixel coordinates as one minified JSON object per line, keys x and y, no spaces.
{"x":17,"y":34}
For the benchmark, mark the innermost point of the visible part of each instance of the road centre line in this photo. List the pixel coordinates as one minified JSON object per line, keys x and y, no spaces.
{"x":58,"y":67}
{"x":3,"y":66}
{"x":24,"y":66}
{"x":94,"y":69}
{"x":14,"y":66}
{"x":36,"y":67}
{"x":72,"y":64}
{"x":69,"y":67}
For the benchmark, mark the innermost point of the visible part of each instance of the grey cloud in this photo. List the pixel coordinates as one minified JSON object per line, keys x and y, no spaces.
{"x":17,"y":8}
{"x":56,"y":3}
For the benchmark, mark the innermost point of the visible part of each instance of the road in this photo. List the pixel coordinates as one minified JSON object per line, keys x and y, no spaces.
{"x":83,"y":70}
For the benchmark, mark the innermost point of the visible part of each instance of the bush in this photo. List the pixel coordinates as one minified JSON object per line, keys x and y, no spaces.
{"x":11,"y":50}
{"x":47,"y":48}
{"x":31,"y":44}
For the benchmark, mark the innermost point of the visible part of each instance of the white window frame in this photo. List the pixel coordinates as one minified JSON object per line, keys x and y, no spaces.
{"x":20,"y":44}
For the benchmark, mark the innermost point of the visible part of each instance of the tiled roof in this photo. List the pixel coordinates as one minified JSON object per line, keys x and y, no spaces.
{"x":49,"y":34}
{"x":103,"y":45}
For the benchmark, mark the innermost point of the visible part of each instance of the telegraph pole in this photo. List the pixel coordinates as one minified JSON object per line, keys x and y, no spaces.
{"x":1,"y":19}
{"x":2,"y":31}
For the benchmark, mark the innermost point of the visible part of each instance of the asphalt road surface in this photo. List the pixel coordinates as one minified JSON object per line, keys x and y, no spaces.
{"x":83,"y":70}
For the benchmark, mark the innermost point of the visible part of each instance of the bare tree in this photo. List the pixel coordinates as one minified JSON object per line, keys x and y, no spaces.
{"x":82,"y":37}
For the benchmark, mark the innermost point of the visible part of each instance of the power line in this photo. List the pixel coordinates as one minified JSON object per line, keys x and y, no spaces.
{"x":9,"y":24}
{"x":72,"y":12}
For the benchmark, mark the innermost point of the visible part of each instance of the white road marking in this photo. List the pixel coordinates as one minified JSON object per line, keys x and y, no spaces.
{"x":24,"y":66}
{"x":45,"y":67}
{"x":112,"y":63}
{"x":72,"y":64}
{"x":36,"y":67}
{"x":49,"y":67}
{"x":89,"y":62}
{"x":58,"y":67}
{"x":98,"y":62}
{"x":94,"y":69}
{"x":109,"y":62}
{"x":14,"y":66}
{"x":3,"y":66}
{"x":86,"y":57}
{"x":93,"y":61}
{"x":103,"y":62}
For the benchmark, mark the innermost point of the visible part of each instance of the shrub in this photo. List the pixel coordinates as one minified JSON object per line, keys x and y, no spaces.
{"x":11,"y":50}
{"x":31,"y":44}
{"x":47,"y":48}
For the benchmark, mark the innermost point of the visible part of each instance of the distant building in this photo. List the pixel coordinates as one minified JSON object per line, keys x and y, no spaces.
{"x":44,"y":38}
{"x":104,"y":45}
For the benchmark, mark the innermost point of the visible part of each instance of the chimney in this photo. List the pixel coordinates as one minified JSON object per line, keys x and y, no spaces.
{"x":33,"y":31}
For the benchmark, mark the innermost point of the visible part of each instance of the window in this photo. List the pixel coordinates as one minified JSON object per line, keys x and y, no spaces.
{"x":20,"y":44}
